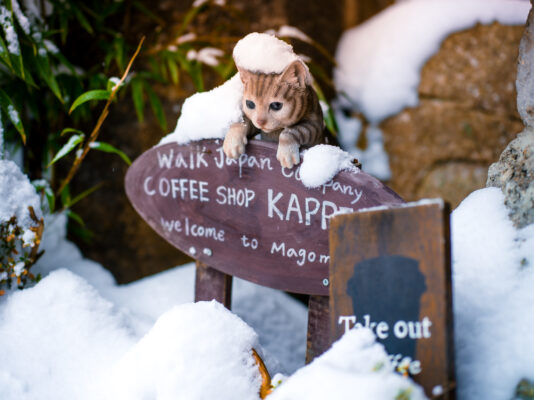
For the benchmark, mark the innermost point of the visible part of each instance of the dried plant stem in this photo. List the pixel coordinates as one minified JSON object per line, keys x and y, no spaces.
{"x":266,"y":387}
{"x":99,"y":122}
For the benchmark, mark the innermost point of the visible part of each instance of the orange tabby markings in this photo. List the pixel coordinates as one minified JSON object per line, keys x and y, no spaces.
{"x":235,"y":140}
{"x":282,"y":108}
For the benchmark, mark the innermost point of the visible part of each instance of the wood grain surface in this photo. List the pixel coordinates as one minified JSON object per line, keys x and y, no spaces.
{"x":248,"y":217}
{"x":390,"y":271}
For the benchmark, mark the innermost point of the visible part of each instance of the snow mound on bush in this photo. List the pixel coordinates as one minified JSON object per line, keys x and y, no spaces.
{"x":356,"y":367}
{"x":16,"y":195}
{"x":57,"y":334}
{"x":194,"y":351}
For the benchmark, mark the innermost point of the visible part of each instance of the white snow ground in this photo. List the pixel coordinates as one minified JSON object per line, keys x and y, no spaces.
{"x":76,"y":334}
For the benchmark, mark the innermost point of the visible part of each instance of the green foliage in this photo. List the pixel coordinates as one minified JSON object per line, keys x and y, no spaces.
{"x":88,"y":96}
{"x":50,"y":92}
{"x":404,"y":394}
{"x":60,"y":63}
{"x":17,"y":256}
{"x":524,"y":390}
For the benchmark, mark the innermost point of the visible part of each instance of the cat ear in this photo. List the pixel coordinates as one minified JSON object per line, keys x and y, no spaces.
{"x":295,"y":74}
{"x":244,"y":74}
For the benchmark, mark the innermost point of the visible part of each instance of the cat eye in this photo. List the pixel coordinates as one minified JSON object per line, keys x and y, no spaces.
{"x":275,"y":106}
{"x":250,"y":104}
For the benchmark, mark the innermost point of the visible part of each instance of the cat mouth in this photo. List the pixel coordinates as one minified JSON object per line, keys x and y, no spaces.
{"x":265,"y":128}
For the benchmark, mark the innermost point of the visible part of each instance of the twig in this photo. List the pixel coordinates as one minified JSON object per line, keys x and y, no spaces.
{"x":99,"y":122}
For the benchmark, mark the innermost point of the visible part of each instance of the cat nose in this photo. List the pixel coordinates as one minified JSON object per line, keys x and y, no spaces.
{"x":261,"y":122}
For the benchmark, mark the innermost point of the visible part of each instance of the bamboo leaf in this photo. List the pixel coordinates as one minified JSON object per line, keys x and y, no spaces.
{"x":70,"y":130}
{"x":16,"y":59}
{"x":63,"y":60}
{"x":4,"y":55}
{"x":76,"y":217}
{"x":88,"y":96}
{"x":83,"y":195}
{"x":106,"y":147}
{"x":328,"y":116}
{"x":50,"y":198}
{"x":138,"y":99}
{"x":119,"y":46}
{"x":189,"y":16}
{"x":148,"y":13}
{"x":65,"y":196}
{"x":43,"y":67}
{"x":44,"y":187}
{"x":64,"y":26}
{"x":82,"y":20}
{"x":173,"y":70}
{"x":73,"y":141}
{"x":195,"y":71}
{"x":157,"y":108}
{"x":8,"y":107}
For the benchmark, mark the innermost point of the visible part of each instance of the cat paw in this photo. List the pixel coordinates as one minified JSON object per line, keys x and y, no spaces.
{"x":234,"y":143}
{"x":288,"y":155}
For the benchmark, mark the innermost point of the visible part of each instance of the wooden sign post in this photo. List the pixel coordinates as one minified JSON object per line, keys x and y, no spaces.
{"x":248,"y":218}
{"x":390,"y":271}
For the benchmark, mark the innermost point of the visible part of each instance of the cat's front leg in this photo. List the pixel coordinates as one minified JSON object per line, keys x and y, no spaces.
{"x":235,"y":140}
{"x":288,"y":149}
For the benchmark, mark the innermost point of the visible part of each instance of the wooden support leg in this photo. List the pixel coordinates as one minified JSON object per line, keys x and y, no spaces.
{"x":211,"y":284}
{"x":318,"y":339}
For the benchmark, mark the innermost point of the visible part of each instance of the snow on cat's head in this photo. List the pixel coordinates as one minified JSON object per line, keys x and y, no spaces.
{"x":265,"y":53}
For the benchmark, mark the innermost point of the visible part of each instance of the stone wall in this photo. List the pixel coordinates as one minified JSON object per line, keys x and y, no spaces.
{"x":465,"y":118}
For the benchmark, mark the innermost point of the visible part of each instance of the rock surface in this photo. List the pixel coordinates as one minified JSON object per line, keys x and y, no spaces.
{"x":514,"y":172}
{"x":465,"y":117}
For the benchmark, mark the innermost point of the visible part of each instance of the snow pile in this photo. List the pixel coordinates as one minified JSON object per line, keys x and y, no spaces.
{"x":356,"y":367}
{"x":322,"y":162}
{"x":85,"y":335}
{"x":60,"y":253}
{"x":208,"y":115}
{"x":493,"y":276}
{"x":264,"y":53}
{"x":379,"y":61}
{"x":280,"y":322}
{"x":58,"y":339}
{"x":194,"y":351}
{"x":17,"y":194}
{"x":64,"y":323}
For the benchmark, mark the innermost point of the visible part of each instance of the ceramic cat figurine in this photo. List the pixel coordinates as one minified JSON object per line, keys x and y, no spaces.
{"x":281,"y":107}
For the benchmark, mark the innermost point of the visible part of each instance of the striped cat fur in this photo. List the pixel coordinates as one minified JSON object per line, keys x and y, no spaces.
{"x":281,"y":108}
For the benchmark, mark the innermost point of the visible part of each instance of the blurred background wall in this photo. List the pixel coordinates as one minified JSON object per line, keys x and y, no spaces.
{"x":441,"y":148}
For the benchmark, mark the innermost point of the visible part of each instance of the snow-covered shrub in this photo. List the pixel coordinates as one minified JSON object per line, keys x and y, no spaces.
{"x":21,"y":226}
{"x":355,"y":367}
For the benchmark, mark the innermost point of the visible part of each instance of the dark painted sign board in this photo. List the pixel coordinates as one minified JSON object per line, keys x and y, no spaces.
{"x":248,"y":217}
{"x":390,"y":271}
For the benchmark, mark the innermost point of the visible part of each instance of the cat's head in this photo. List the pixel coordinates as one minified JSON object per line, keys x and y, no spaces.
{"x":275,"y":101}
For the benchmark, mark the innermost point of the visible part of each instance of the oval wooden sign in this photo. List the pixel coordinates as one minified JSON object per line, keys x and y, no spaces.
{"x":249,"y":217}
